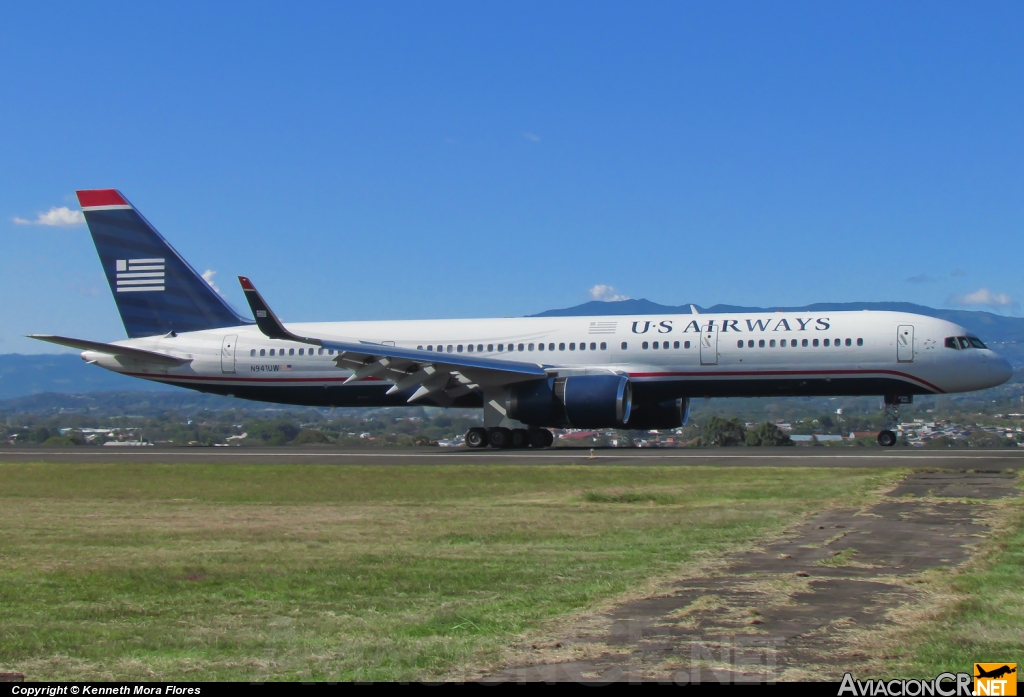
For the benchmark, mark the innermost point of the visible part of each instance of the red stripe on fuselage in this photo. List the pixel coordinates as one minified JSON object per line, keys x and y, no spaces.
{"x":789,"y":373}
{"x":760,"y":373}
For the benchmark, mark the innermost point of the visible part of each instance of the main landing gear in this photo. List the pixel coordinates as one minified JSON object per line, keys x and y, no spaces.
{"x":887,"y":437}
{"x":503,"y":438}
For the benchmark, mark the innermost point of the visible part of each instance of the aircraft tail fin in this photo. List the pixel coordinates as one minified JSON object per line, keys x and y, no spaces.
{"x":155,"y":289}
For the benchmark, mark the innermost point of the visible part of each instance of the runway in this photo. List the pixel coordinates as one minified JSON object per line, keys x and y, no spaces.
{"x":982,"y":460}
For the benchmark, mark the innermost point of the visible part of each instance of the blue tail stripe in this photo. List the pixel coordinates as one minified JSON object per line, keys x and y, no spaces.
{"x":153,"y":298}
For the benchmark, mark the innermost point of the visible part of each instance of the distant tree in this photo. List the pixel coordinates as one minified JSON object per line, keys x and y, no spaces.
{"x":41,"y":434}
{"x":58,"y":441}
{"x":311,"y":436}
{"x":767,"y":434}
{"x":721,"y":432}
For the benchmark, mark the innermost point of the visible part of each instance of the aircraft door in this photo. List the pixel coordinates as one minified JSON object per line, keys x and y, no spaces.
{"x":227,"y":353}
{"x":905,"y":343}
{"x":709,"y":345}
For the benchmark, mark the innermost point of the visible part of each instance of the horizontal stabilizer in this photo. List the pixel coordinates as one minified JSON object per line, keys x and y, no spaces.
{"x":113,"y":349}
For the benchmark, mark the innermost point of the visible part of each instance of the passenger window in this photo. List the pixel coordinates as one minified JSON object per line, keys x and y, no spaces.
{"x":450,"y":347}
{"x":656,"y":345}
{"x":252,"y":352}
{"x":624,"y":345}
{"x":561,"y":347}
{"x":750,"y":344}
{"x":782,"y":343}
{"x":530,"y":347}
{"x":540,"y":347}
{"x":675,"y":345}
{"x":976,"y":342}
{"x":826,"y":342}
{"x":490,"y":348}
{"x":849,"y":343}
{"x":272,"y":352}
{"x":520,"y":347}
{"x":430,"y":347}
{"x":815,"y":343}
{"x":739,"y":344}
{"x":470,"y":348}
{"x":302,"y":352}
{"x":320,"y":352}
{"x":860,"y":342}
{"x":837,"y":343}
{"x":644,"y":345}
{"x":760,"y":343}
{"x":804,"y":343}
{"x":459,"y":348}
{"x":686,"y":344}
{"x":572,"y":347}
{"x":771,"y":344}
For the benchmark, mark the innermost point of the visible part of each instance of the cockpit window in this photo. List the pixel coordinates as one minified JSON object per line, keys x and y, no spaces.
{"x":964,"y":342}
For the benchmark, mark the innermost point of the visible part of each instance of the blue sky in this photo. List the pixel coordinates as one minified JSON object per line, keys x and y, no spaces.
{"x":414,"y":160}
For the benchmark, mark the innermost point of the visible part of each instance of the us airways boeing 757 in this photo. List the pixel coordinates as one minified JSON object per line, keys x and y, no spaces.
{"x":527,"y":374}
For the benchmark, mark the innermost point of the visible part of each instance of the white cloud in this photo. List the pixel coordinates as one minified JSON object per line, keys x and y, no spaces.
{"x":606,"y":294}
{"x":208,"y":277}
{"x":920,"y":278}
{"x":532,"y":137}
{"x":983,"y":297}
{"x":55,"y":217}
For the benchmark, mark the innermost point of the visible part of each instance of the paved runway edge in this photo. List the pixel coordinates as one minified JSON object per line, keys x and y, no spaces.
{"x":739,"y":457}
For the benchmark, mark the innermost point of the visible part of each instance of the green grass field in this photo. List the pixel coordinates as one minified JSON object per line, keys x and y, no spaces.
{"x":976,"y":613}
{"x":351,"y":573}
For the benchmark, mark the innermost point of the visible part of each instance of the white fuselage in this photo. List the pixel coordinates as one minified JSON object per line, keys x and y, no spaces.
{"x":756,"y":354}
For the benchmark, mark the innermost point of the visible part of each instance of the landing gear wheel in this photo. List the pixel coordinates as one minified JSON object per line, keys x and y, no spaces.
{"x":476,"y":437}
{"x":887,"y":439}
{"x":540,"y":438}
{"x":500,"y":437}
{"x":520,"y":438}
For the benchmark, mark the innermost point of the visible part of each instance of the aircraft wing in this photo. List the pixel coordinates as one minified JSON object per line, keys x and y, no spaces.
{"x":442,"y":376}
{"x":114,"y":350}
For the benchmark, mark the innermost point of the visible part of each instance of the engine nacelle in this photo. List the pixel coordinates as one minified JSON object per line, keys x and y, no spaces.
{"x":654,"y":416}
{"x":577,"y":401}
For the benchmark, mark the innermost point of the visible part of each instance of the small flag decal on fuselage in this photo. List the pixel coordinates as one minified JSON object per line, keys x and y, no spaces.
{"x":137,"y":275}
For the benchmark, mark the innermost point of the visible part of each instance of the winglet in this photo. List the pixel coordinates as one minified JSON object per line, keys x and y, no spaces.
{"x":266,"y":320}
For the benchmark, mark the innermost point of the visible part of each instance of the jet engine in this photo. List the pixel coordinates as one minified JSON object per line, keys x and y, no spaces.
{"x":653,"y":416}
{"x":577,"y":401}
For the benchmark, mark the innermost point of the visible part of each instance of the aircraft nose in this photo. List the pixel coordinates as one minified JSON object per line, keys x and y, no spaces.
{"x":1001,"y":370}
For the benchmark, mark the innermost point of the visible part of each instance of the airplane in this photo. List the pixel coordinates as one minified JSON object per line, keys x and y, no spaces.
{"x":528,"y":374}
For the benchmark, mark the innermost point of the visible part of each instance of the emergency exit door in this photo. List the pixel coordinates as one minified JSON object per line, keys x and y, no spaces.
{"x":227,"y":353}
{"x":905,"y":343}
{"x":709,"y":346}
